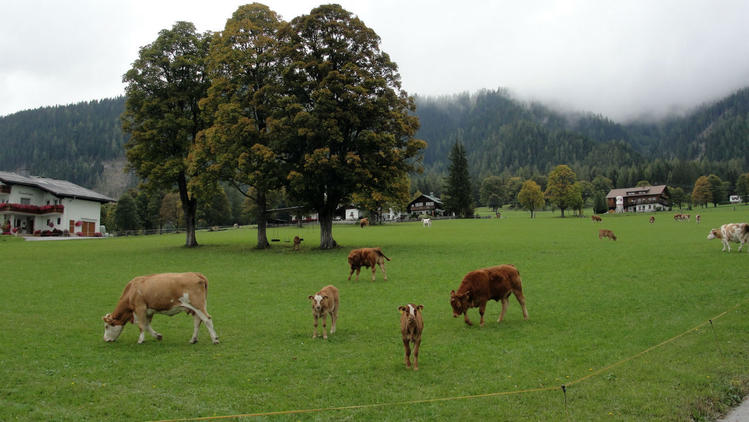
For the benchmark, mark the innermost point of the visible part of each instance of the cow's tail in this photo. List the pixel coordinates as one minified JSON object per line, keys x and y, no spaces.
{"x":379,"y":252}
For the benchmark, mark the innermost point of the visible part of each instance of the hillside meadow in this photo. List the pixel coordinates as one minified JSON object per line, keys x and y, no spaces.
{"x":624,"y":325}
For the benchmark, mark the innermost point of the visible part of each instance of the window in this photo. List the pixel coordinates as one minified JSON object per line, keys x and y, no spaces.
{"x":58,"y":220}
{"x":26,"y":201}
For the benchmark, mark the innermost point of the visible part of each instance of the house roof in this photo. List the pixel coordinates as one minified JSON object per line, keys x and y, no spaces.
{"x":641,"y":191}
{"x":61,"y":188}
{"x":428,"y":197}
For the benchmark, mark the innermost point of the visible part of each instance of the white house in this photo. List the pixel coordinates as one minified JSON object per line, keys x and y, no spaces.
{"x":37,"y":204}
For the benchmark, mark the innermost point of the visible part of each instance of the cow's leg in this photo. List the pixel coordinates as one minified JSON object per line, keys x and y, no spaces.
{"x":407,"y":348}
{"x":482,"y":308}
{"x":384,"y":274}
{"x":202,"y":314}
{"x":374,"y":268}
{"x":144,"y":324}
{"x":150,"y":328}
{"x":504,"y":309}
{"x":333,"y":319}
{"x":196,"y":323}
{"x":352,"y":272}
{"x":521,"y":300}
{"x":465,"y":317}
{"x":314,"y":332}
{"x":726,"y":244}
{"x":358,"y":269}
{"x":324,"y":326}
{"x":417,"y":343}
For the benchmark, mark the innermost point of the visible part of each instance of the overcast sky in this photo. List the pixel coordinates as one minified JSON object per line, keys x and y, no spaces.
{"x":622,"y":59}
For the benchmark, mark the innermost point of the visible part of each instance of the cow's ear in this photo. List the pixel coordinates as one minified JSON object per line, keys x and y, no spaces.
{"x":452,"y":293}
{"x":402,"y":308}
{"x":310,"y":297}
{"x":324,"y":296}
{"x":420,"y":307}
{"x":467,"y":294}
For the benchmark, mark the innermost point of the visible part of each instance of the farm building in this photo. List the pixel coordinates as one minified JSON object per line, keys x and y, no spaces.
{"x":425,"y":204}
{"x":639,"y":199}
{"x":30,"y":205}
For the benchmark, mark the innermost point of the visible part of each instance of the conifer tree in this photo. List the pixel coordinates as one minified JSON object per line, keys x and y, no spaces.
{"x":458,"y":184}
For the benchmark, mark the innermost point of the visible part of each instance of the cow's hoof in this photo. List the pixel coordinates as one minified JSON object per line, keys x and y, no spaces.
{"x":193,"y":341}
{"x":158,"y":337}
{"x":215,"y":341}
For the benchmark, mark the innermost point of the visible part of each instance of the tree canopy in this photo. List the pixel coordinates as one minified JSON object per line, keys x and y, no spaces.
{"x":458,"y":184}
{"x":561,"y":190}
{"x":530,"y":196}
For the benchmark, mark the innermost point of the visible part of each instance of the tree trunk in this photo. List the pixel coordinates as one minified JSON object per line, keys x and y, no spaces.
{"x":189,"y":207}
{"x":326,"y":229}
{"x":562,"y":210}
{"x":262,"y":221}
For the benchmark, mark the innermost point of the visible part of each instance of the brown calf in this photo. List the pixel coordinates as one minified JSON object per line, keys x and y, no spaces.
{"x":479,"y":286}
{"x":606,"y":233}
{"x":411,"y":327}
{"x":697,"y":218}
{"x":595,"y":218}
{"x":367,"y":257}
{"x":652,"y":219}
{"x":325,"y":302}
{"x":363,"y":222}
{"x":297,"y":242}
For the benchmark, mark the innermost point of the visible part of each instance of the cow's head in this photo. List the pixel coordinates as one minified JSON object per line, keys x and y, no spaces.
{"x":112,"y":330}
{"x":411,"y":311}
{"x":460,"y":302}
{"x":714,"y":233}
{"x":317,"y":301}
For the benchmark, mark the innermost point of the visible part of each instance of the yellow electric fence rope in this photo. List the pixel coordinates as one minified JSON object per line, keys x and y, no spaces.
{"x":474,"y":396}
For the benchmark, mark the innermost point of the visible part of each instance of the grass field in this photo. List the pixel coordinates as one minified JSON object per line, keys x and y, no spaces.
{"x":599,"y":311}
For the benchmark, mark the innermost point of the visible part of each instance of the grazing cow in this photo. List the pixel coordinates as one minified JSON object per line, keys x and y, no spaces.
{"x":325,"y":302}
{"x":697,"y":218}
{"x":733,"y":232}
{"x":363,"y":222}
{"x":411,"y":327}
{"x":427,"y":222}
{"x":595,"y":218}
{"x":367,"y":257}
{"x":170,"y":294}
{"x":297,"y":242}
{"x":606,"y":233}
{"x":478,"y":286}
{"x":677,"y":217}
{"x":652,"y":219}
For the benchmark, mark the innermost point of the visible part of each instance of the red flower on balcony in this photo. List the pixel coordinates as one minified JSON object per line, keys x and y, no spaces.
{"x":78,"y":223}
{"x":32,"y":209}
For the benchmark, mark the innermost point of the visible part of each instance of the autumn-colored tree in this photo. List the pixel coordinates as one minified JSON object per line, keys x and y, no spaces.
{"x":347,"y":126}
{"x":530,"y":197}
{"x":162,"y":115}
{"x":377,"y":202}
{"x":561,"y":190}
{"x":701,"y":194}
{"x":241,"y":147}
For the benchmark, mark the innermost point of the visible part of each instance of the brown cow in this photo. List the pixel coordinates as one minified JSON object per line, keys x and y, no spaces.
{"x":367,"y":257}
{"x":411,"y":327}
{"x":477,"y":287}
{"x":697,"y":218}
{"x":363,"y":222}
{"x":595,"y":218}
{"x":297,"y":242}
{"x":652,"y":219}
{"x":733,"y":232}
{"x":606,"y":233}
{"x":325,"y":302}
{"x":170,"y":294}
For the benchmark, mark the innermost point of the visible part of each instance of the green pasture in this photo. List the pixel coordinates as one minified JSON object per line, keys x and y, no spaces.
{"x":624,"y":325}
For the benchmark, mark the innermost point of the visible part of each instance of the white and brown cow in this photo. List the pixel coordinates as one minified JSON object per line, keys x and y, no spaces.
{"x":325,"y":302}
{"x":412,"y":325}
{"x":169,"y":294}
{"x":733,"y":232}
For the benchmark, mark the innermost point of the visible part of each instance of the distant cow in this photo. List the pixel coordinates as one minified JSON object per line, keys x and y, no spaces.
{"x":367,"y":257}
{"x":325,"y":302}
{"x":697,"y":218}
{"x":595,"y":218}
{"x":677,"y":217}
{"x":652,"y":219}
{"x":363,"y":222}
{"x":606,"y":233}
{"x":479,"y":286}
{"x":733,"y":232}
{"x":427,"y":222}
{"x":297,"y":242}
{"x":170,"y":294}
{"x":412,"y":325}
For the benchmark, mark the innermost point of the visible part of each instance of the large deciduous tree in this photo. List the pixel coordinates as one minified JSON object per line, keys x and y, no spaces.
{"x":530,"y":197}
{"x":162,"y":116}
{"x":241,"y":146}
{"x":349,"y":127}
{"x":458,"y":183}
{"x":561,"y":190}
{"x":702,"y":194}
{"x":492,"y":192}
